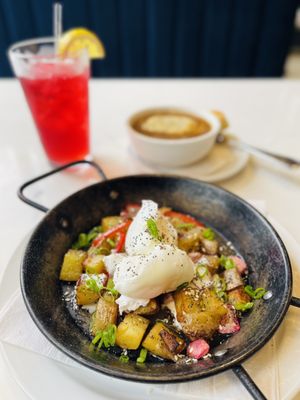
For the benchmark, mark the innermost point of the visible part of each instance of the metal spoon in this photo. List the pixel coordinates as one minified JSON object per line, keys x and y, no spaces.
{"x":235,"y":142}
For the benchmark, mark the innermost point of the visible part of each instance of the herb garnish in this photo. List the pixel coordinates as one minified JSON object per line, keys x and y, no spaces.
{"x":226,"y":262}
{"x":219,"y":283}
{"x":142,"y":357}
{"x":152,"y":228}
{"x":92,"y":284}
{"x":85,"y":239}
{"x":124,"y":358}
{"x":100,"y":251}
{"x":222,"y":295}
{"x":111,"y":242}
{"x":243,"y":306}
{"x":201,"y":270}
{"x":107,"y":337}
{"x":255,"y":294}
{"x":110,"y":286}
{"x":208,"y":234}
{"x":220,"y":287}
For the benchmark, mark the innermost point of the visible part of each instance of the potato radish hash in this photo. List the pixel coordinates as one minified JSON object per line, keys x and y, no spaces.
{"x":157,"y":284}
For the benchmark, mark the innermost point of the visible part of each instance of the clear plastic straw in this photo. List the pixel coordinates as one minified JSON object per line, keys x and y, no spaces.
{"x":57,"y":23}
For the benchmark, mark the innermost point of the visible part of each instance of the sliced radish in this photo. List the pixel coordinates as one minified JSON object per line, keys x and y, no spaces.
{"x":240,"y":264}
{"x":229,"y":323}
{"x":197,"y":349}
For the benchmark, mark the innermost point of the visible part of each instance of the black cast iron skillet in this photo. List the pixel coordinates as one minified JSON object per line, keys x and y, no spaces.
{"x":238,"y":221}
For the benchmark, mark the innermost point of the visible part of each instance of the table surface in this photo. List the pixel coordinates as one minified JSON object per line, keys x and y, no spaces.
{"x":262,"y":112}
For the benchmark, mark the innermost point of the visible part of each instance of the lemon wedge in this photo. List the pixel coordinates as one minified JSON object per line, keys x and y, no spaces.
{"x":72,"y":42}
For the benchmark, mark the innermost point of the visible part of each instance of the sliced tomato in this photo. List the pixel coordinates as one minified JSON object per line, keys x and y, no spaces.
{"x":183,"y":217}
{"x":110,"y":233}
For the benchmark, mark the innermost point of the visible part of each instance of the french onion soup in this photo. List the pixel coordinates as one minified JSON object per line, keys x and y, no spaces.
{"x":170,"y":124}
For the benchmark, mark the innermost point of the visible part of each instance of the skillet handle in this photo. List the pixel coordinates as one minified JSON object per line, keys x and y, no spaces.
{"x":249,"y":384}
{"x":295,"y":301}
{"x":54,"y":171}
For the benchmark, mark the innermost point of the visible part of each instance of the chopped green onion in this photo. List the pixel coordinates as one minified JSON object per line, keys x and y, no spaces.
{"x":220,"y":287}
{"x":201,"y":271}
{"x":85,"y":239}
{"x":107,"y":337}
{"x":100,"y":343}
{"x":111,"y":242}
{"x":226,"y":262}
{"x":186,"y":225}
{"x":82,"y":242}
{"x":97,"y":337}
{"x":93,"y":233}
{"x":217,"y":283}
{"x":124,"y":358}
{"x":222,"y":295}
{"x":101,"y":251}
{"x":259,"y":293}
{"x":142,"y":357}
{"x":183,"y":285}
{"x":152,"y":228}
{"x":93,"y":285}
{"x":208,"y":234}
{"x":223,"y":283}
{"x":255,"y":294}
{"x":243,"y":306}
{"x":110,"y":286}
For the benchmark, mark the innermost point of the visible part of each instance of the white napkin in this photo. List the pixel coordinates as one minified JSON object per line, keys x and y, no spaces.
{"x":17,"y":328}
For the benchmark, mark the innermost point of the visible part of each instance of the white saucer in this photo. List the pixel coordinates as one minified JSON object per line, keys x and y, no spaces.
{"x":44,"y":378}
{"x":221,"y":163}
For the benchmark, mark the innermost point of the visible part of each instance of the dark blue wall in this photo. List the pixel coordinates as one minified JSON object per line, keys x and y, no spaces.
{"x":166,"y":38}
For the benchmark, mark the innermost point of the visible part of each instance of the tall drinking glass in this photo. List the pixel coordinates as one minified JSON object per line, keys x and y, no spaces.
{"x":56,"y":90}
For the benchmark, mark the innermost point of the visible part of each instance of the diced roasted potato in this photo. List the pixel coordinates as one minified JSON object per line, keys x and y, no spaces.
{"x":198,"y":311}
{"x":210,"y":246}
{"x":205,"y":281}
{"x":190,"y":240}
{"x":86,"y":295}
{"x":163,"y":342}
{"x":105,"y":314}
{"x":130,"y":331}
{"x":232,"y":278}
{"x":94,"y":264}
{"x":72,"y":266}
{"x":238,"y":295}
{"x":109,"y":222}
{"x":211,"y":262}
{"x":151,"y":308}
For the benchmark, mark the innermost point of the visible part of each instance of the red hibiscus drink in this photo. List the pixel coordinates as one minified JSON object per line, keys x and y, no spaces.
{"x":56,"y":90}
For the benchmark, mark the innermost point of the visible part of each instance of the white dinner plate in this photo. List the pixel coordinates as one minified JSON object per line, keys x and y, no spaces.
{"x":42,"y":378}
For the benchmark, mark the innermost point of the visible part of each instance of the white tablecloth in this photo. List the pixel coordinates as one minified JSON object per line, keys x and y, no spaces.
{"x":263,"y":112}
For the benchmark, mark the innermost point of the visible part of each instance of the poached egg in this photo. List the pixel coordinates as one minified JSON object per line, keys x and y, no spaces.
{"x":150,"y":266}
